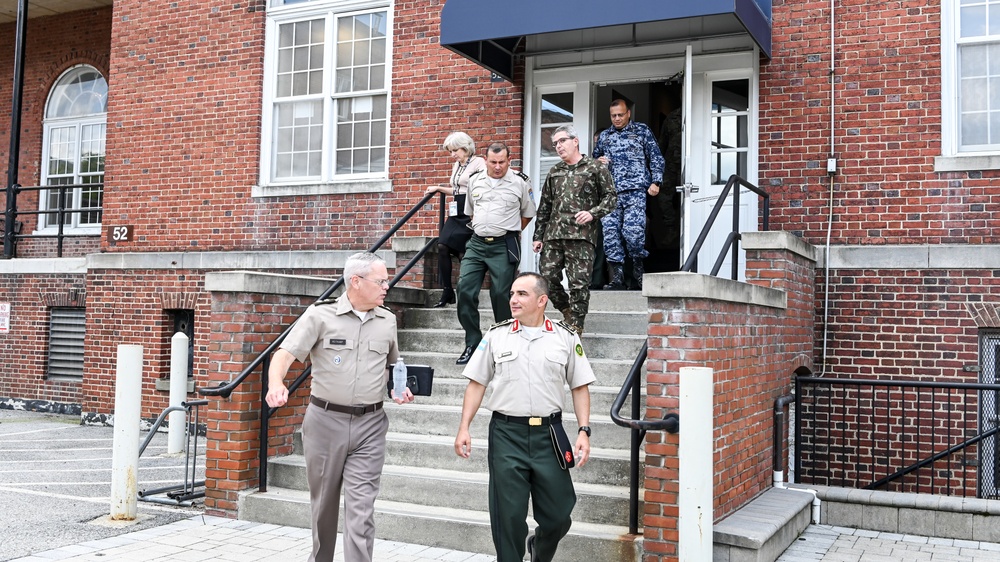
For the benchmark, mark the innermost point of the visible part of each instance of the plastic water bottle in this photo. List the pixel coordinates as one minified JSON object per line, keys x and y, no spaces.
{"x":399,"y":378}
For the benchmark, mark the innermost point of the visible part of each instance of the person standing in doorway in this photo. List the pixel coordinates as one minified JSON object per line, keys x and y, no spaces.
{"x":501,"y":205}
{"x":351,"y":343}
{"x":629,"y":149}
{"x":577,"y":193}
{"x":527,"y":360}
{"x":455,"y":233}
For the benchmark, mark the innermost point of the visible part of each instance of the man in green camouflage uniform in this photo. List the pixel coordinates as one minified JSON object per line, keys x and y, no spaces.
{"x":578,"y":191}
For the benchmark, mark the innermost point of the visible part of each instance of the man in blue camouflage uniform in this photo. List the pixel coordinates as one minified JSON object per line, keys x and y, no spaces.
{"x":630,"y":150}
{"x":577,"y":192}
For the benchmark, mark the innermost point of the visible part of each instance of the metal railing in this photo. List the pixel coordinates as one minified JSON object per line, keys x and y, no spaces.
{"x":896,"y":435}
{"x":633,"y":381}
{"x":263,"y":360}
{"x":180,"y":494}
{"x":12,"y":226}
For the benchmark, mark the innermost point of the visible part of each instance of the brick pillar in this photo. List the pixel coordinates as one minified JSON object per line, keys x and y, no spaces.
{"x":753,"y":335}
{"x":242,"y":325}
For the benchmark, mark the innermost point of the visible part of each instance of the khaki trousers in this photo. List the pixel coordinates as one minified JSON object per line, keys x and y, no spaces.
{"x":343,"y":451}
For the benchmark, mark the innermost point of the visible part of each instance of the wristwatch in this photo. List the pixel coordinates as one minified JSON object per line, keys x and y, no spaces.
{"x":585,"y":429}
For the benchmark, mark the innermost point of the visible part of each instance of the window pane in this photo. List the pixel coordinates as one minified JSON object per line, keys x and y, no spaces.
{"x":80,"y":92}
{"x":378,"y":78}
{"x":973,"y":21}
{"x":973,"y":61}
{"x":298,"y":139}
{"x":355,"y":124}
{"x":300,"y":58}
{"x":974,"y":129}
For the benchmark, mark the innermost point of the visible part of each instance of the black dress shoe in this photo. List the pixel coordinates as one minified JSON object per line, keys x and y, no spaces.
{"x":530,"y":544}
{"x":447,"y":297}
{"x":466,"y":355}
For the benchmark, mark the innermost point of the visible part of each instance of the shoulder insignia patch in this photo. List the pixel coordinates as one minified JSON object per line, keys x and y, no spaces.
{"x":504,"y":323}
{"x":331,"y":300}
{"x":476,"y":173}
{"x":579,"y":350}
{"x":562,"y":324}
{"x":521,"y":175}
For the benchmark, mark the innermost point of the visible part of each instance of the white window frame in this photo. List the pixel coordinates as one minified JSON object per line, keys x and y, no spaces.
{"x":72,"y":226}
{"x":329,"y":182}
{"x":952,"y":158}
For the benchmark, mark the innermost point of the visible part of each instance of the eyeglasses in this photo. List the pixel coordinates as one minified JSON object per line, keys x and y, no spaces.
{"x":557,"y":142}
{"x":384,"y":283}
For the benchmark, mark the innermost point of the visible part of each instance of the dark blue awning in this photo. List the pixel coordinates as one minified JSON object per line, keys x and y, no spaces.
{"x":491,"y":34}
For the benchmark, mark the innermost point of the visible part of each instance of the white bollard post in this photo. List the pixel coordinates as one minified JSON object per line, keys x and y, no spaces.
{"x":695,"y":452}
{"x":125,"y":456}
{"x":178,"y":391}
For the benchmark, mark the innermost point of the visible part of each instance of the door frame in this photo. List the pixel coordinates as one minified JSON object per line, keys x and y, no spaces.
{"x":581,"y":79}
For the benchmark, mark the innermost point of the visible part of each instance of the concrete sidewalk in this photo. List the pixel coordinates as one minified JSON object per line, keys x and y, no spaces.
{"x":55,"y":481}
{"x":214,"y":538}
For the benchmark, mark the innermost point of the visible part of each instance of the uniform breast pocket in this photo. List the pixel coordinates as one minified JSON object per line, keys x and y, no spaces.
{"x":505,"y":361}
{"x":377,"y":355}
{"x":338,"y":352}
{"x":555,"y":363}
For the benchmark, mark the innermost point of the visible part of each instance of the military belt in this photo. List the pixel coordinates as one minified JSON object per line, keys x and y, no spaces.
{"x":353,"y":410}
{"x":492,"y":239}
{"x":530,"y":420}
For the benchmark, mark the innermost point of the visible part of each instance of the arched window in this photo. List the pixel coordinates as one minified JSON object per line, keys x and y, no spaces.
{"x":73,"y":149}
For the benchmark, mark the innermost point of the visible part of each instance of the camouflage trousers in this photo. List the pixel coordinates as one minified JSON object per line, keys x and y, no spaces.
{"x":625,"y":227}
{"x":577,"y":258}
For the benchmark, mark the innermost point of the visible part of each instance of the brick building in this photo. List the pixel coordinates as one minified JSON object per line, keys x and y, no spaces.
{"x":281,"y":136}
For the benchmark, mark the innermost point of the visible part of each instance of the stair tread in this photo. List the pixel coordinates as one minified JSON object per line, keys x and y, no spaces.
{"x":592,"y":530}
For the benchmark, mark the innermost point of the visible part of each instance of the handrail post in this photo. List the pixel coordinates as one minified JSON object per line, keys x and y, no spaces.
{"x":734,"y":266}
{"x":637,"y":435}
{"x":265,"y":366}
{"x":10,"y":212}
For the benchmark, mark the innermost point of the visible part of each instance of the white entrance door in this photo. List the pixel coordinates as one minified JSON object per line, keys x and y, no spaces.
{"x":723,"y":133}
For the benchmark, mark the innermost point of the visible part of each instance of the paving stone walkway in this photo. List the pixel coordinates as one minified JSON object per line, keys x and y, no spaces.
{"x":842,"y":544}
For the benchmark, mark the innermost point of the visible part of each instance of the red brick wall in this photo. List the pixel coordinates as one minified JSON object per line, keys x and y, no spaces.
{"x":753,"y":350}
{"x":233,"y":423}
{"x":24,"y":350}
{"x":887,"y":129}
{"x":54,"y":44}
{"x":187,"y":82}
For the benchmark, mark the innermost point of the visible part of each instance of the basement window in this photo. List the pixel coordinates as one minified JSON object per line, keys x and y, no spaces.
{"x":67,"y":328}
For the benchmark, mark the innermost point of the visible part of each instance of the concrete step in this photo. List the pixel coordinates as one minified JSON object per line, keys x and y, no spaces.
{"x":598,"y":322}
{"x":435,"y":419}
{"x":607,"y":346}
{"x":444,"y":527}
{"x":450,"y":392}
{"x":619,"y":301}
{"x":609,"y":372}
{"x":437,"y":452}
{"x":469,"y":490}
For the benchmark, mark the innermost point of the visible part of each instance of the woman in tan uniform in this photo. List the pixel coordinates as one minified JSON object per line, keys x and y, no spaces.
{"x":456,"y":232}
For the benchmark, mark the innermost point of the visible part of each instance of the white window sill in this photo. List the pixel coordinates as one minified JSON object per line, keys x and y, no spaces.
{"x":969,"y":163}
{"x":286,"y":190}
{"x":68,"y":231}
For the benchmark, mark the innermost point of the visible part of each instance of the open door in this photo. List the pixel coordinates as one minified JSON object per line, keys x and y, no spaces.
{"x":722,"y":135}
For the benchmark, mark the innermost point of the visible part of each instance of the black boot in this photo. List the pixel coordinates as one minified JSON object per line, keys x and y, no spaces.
{"x":447,"y":297}
{"x":637,"y":272}
{"x":617,"y":278}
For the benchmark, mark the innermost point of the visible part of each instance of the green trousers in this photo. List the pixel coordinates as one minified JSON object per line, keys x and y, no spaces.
{"x":522,"y":462}
{"x":482,"y":258}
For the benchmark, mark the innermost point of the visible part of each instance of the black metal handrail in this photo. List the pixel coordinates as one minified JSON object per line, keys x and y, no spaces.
{"x":263,"y":360}
{"x":941,"y":414}
{"x":633,"y":381}
{"x":12,"y":226}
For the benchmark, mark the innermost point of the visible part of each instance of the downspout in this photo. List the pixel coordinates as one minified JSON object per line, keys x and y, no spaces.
{"x":15,"y":130}
{"x":831,"y":170}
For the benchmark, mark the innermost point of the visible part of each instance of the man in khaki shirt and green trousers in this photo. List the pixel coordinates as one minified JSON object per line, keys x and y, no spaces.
{"x":351,"y":342}
{"x":528,"y":360}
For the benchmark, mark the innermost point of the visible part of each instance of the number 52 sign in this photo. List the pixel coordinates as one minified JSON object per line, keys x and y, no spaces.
{"x":120,"y":233}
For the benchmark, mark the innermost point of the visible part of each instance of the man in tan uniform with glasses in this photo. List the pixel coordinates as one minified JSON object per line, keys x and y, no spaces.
{"x":351,"y":342}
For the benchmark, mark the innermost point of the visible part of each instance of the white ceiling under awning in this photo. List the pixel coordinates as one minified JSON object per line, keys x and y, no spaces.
{"x":40,"y":8}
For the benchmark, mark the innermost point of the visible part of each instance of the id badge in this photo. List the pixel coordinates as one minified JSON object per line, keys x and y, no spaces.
{"x":453,"y":209}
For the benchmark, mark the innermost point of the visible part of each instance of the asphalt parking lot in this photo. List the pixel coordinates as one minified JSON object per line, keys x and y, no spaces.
{"x":55,"y":483}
